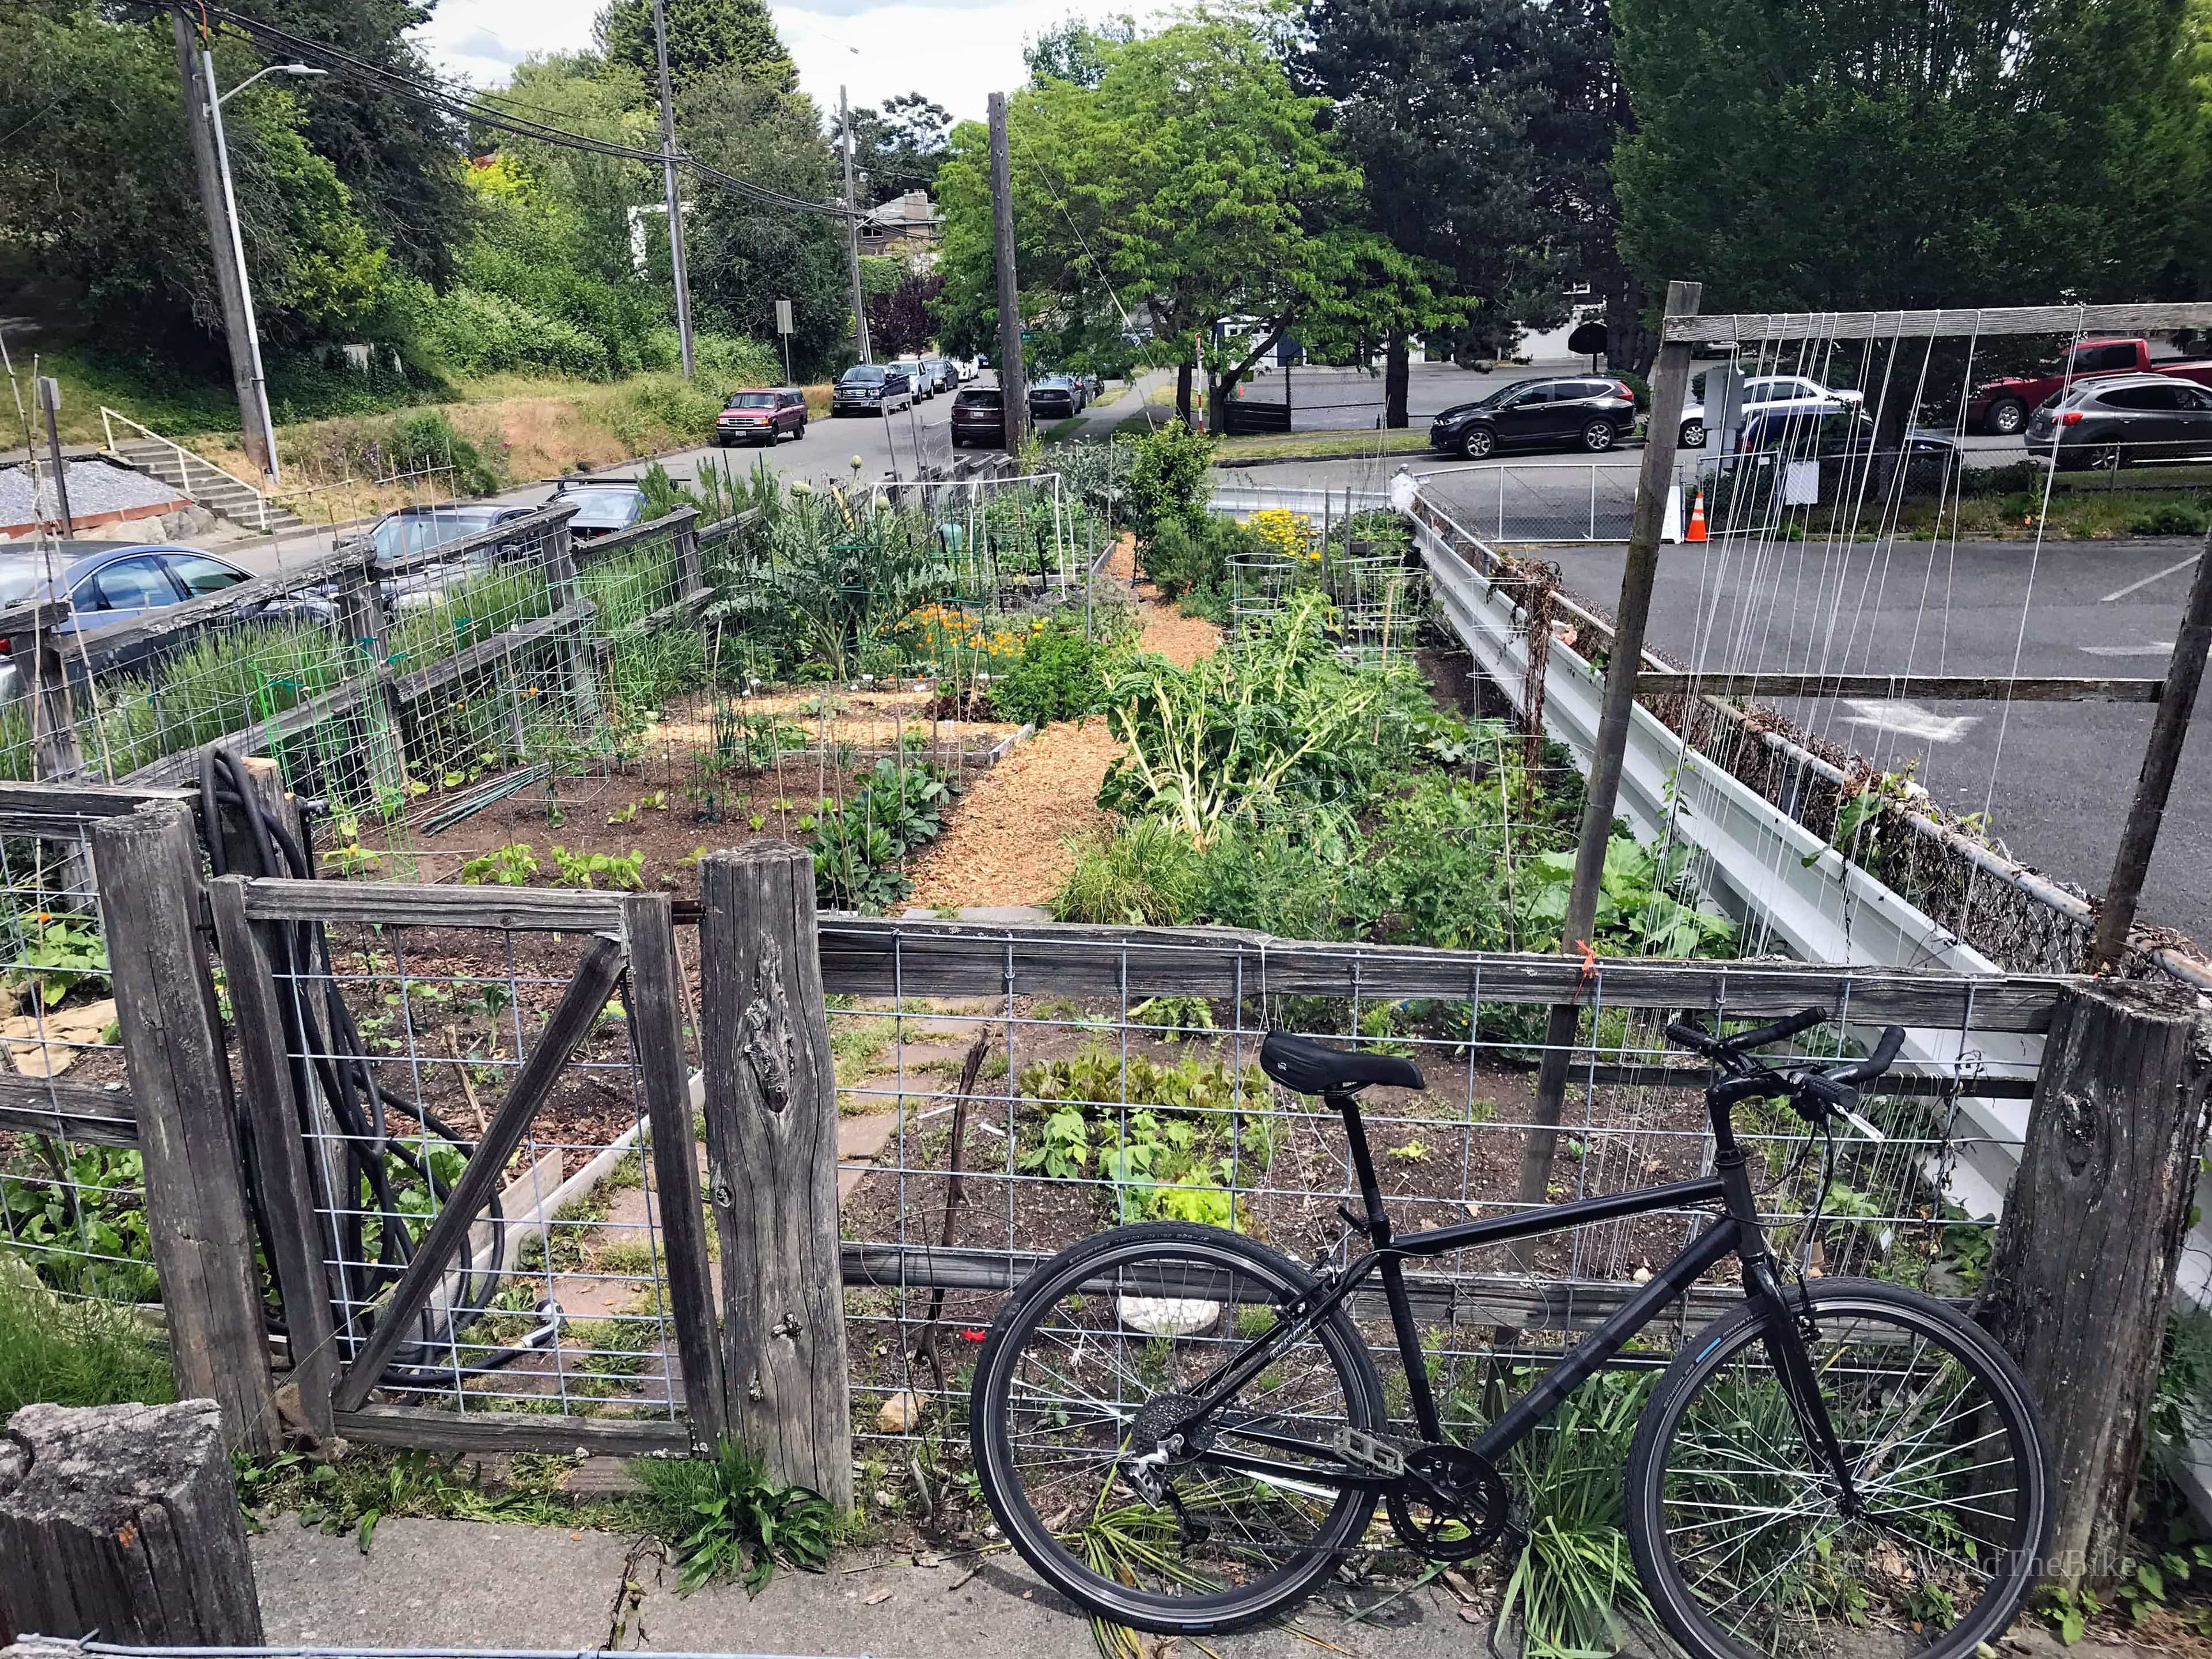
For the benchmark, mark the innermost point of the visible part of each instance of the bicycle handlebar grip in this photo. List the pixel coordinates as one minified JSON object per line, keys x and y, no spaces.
{"x":1686,"y":1035}
{"x":1803,"y":1020}
{"x":1885,"y":1053}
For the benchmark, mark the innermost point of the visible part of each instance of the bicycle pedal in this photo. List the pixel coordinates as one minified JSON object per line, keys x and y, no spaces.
{"x":1368,"y":1451}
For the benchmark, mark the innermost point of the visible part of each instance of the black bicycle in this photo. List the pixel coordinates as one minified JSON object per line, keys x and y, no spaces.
{"x":1182,"y":1429}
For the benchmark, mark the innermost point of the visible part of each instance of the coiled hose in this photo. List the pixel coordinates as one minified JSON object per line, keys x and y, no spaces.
{"x":329,"y":1063}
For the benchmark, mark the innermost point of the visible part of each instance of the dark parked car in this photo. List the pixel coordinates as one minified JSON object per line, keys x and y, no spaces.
{"x":2124,"y":421}
{"x":1055,"y":398}
{"x":979,"y":416}
{"x":108,"y":584}
{"x":604,"y":505}
{"x":1586,"y":412}
{"x":870,"y":389}
{"x":762,"y":415}
{"x":944,"y":373}
{"x":419,"y":529}
{"x":1840,"y":445}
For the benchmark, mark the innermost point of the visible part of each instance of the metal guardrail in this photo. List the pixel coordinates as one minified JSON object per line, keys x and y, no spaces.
{"x":1242,"y":499}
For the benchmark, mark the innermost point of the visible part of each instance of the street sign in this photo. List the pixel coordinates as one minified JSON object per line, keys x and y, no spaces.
{"x":783,"y":317}
{"x":1723,"y":402}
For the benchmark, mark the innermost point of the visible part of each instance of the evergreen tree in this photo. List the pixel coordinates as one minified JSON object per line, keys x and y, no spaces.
{"x":704,"y":36}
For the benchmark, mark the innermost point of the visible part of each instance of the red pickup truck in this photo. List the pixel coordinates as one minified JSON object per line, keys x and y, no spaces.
{"x":2002,"y":406}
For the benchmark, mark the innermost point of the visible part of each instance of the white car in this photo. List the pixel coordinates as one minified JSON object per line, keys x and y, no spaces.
{"x":916,"y":376}
{"x":1788,"y":394}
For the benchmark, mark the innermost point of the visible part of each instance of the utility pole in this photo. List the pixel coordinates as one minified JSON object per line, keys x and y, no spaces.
{"x":1670,"y":383}
{"x":49,"y":401}
{"x":2184,"y":674}
{"x":205,"y":117}
{"x":676,"y":260}
{"x":1013,"y":384}
{"x":853,"y":235}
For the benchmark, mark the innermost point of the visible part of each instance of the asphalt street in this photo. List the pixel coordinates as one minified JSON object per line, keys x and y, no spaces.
{"x":2055,"y":778}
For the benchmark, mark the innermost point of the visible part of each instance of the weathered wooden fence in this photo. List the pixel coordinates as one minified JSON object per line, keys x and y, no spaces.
{"x":763,"y":1281}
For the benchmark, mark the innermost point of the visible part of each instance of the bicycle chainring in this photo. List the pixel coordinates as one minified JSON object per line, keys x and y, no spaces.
{"x":1451,"y":1506}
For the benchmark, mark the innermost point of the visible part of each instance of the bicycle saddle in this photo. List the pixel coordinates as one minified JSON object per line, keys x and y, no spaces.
{"x":1315,"y":1068}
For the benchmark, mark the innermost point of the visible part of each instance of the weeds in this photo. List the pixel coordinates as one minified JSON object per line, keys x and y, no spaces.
{"x":72,"y":1353}
{"x":739,"y":1522}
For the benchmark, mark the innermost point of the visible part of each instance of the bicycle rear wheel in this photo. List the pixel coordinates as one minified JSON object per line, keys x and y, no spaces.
{"x":1134,"y":1318}
{"x":1739,"y":1535}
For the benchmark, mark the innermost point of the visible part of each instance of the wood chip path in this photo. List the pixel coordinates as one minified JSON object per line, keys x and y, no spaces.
{"x":1007,"y":842}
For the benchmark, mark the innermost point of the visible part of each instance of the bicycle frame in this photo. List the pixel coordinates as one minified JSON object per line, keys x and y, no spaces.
{"x":1737,"y":1232}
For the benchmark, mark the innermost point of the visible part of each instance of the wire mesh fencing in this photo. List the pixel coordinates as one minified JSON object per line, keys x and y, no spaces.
{"x":1096,"y":1106}
{"x":72,"y":1184}
{"x":408,"y":1043}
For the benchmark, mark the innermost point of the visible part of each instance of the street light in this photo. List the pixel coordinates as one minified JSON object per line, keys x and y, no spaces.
{"x":215,"y":103}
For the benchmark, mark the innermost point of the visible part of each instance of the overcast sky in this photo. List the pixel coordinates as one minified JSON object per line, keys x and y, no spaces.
{"x":958,"y":51}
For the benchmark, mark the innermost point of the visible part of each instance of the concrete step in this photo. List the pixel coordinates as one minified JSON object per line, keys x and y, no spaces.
{"x":209,"y":485}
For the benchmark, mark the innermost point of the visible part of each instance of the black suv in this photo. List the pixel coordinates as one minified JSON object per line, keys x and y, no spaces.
{"x":2126,"y":420}
{"x":1587,"y":412}
{"x":872,"y":389}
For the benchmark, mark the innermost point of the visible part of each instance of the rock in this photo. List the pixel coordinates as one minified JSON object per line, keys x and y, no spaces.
{"x":900,"y":1414}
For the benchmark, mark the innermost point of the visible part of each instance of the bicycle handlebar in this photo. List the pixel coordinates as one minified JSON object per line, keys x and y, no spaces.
{"x":1811,"y":1092}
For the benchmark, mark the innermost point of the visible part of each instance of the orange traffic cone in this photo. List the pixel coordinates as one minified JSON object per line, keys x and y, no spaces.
{"x":1697,"y":529}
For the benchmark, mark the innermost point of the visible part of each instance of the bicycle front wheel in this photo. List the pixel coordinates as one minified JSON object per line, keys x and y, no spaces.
{"x":1746,"y":1546}
{"x":1098,"y":1349}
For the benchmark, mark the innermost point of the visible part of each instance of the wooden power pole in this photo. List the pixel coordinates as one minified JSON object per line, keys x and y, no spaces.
{"x":677,"y":264}
{"x":852,"y":236}
{"x":1014,"y":384}
{"x":1670,"y":384}
{"x":2184,"y":675}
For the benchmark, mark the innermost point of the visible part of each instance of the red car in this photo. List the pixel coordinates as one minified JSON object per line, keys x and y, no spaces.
{"x":761,"y":417}
{"x":2002,"y":406}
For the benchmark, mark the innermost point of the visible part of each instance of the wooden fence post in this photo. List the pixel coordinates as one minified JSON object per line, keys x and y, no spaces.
{"x":578,"y":664}
{"x":772,"y":1164}
{"x":2082,"y":1276}
{"x":361,"y":625}
{"x":121,"y":1522}
{"x":149,"y":865}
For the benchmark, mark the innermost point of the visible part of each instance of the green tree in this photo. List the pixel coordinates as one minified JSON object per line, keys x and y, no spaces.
{"x":899,"y":147}
{"x":746,"y":256}
{"x":704,"y":37}
{"x":398,"y":161}
{"x":1075,"y":51}
{"x":1192,"y":185}
{"x":1800,"y":157}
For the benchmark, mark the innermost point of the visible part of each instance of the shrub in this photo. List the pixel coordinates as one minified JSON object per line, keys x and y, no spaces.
{"x":472,"y":332}
{"x":1168,"y":479}
{"x":1186,"y":560}
{"x":72,"y":1353}
{"x":1147,"y":874}
{"x":2171,"y":519}
{"x":1055,"y":678}
{"x":424,"y":439}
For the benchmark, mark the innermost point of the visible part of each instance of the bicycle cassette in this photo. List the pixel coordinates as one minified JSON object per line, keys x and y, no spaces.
{"x":1452,"y":1505}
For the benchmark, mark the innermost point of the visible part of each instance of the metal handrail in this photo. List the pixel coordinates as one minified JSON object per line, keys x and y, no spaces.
{"x":186,"y":458}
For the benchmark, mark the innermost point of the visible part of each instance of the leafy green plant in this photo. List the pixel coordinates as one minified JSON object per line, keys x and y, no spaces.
{"x":857,"y":846}
{"x":79,"y":1214}
{"x":1161,"y":1134}
{"x":1055,"y":678}
{"x":1169,"y":475}
{"x":743,"y":1523}
{"x":625,"y":872}
{"x":54,"y":952}
{"x":1645,"y":908}
{"x":511,"y":865}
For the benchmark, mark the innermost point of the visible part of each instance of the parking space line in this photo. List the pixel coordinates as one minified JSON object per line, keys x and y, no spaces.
{"x":2189,"y":563}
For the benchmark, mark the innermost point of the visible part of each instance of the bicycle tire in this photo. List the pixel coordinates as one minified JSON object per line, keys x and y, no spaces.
{"x":1909,"y":1509}
{"x":1076,"y":1274}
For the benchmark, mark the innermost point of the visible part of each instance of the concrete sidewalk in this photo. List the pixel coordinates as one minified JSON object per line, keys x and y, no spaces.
{"x":466,"y":1585}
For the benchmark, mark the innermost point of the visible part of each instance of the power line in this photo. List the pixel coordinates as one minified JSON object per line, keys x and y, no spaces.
{"x":470,"y":108}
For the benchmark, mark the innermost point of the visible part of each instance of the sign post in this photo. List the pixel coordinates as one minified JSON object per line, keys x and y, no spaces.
{"x":783,"y":327}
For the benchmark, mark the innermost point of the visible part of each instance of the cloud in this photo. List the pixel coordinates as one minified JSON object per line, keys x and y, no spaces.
{"x":957,"y":51}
